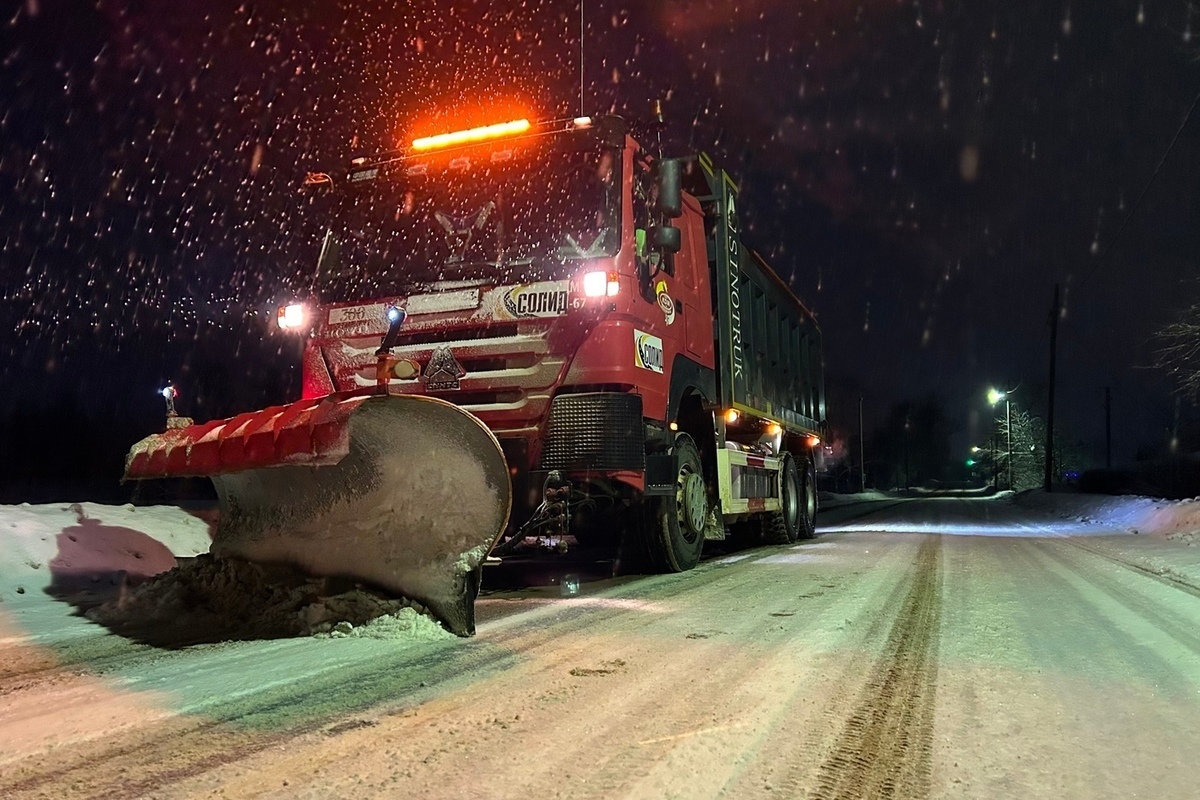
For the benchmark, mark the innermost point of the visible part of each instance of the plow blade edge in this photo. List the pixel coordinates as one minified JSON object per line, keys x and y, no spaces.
{"x":408,"y":493}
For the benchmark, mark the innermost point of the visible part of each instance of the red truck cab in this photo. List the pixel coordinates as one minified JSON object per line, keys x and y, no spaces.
{"x":556,"y":281}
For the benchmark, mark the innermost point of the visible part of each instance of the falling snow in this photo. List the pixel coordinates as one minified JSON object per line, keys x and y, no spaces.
{"x":149,"y":185}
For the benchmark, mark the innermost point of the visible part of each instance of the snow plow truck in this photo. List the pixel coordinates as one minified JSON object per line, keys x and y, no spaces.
{"x":520,"y":330}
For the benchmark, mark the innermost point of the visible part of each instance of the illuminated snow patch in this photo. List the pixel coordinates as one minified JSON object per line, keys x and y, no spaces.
{"x":787,"y":558}
{"x":1040,"y":530}
{"x":626,"y":603}
{"x":443,"y":302}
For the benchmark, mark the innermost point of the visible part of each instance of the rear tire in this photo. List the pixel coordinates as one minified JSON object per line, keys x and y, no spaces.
{"x":808,"y":505}
{"x":674,"y":533}
{"x":783,"y":526}
{"x":797,"y":516}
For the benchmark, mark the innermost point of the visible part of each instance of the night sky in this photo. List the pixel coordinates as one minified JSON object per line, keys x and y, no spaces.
{"x":922,"y":173}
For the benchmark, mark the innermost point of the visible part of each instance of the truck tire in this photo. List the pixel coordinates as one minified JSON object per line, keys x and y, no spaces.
{"x":675,"y":533}
{"x":796,"y":518}
{"x":783,"y":526}
{"x":808,"y":503}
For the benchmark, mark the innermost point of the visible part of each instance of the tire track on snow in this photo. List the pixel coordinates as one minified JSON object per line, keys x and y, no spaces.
{"x":885,"y":748}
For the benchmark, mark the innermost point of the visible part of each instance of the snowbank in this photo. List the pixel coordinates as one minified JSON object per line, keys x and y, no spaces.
{"x":1162,"y":526}
{"x":1178,"y":520}
{"x":70,"y":548}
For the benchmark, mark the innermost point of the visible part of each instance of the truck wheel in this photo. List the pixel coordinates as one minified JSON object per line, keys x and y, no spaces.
{"x":675,"y":534}
{"x":808,"y":502}
{"x":784,"y":526}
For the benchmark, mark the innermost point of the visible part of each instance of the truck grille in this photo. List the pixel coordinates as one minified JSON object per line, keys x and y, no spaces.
{"x":595,"y":431}
{"x":510,"y":374}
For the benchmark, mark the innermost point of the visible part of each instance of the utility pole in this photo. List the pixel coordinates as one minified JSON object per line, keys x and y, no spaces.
{"x":907,"y":480}
{"x":1049,"y":477}
{"x":862,"y":461}
{"x":1008,"y":427}
{"x":995,"y":458}
{"x":1107,"y":427}
{"x":1175,"y":430}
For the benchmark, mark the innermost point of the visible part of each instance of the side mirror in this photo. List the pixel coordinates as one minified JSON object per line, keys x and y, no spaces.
{"x":665,"y":238}
{"x":331,"y":251}
{"x":670,"y":193}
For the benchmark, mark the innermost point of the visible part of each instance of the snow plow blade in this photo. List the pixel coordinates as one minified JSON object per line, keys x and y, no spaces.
{"x":406,"y":492}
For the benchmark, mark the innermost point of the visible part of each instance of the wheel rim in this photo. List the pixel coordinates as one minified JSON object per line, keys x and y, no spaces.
{"x":691,"y":499}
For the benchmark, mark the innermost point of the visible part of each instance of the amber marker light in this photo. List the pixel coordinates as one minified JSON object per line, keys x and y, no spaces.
{"x":731,"y":416}
{"x":774,"y":429}
{"x":498,"y":131}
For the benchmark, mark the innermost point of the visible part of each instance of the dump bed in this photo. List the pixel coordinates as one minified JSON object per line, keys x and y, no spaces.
{"x":769,"y":360}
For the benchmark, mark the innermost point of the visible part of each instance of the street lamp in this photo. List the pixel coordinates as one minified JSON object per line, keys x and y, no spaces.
{"x":994,"y":397}
{"x":974,"y":459}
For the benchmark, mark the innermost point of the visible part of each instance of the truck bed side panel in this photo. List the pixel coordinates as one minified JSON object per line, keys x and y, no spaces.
{"x":768,"y":344}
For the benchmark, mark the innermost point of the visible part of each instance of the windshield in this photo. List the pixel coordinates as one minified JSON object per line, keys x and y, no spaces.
{"x":502,"y":216}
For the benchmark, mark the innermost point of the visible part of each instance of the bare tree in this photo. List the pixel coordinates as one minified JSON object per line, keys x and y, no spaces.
{"x":1179,"y":351}
{"x":1028,"y":448}
{"x":1029,"y":451}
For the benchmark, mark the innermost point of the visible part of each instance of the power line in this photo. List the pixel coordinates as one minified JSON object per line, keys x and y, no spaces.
{"x":1133,"y":209}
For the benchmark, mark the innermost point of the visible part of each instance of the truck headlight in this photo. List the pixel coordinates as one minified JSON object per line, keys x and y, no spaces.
{"x":292,"y":317}
{"x":601,"y":284}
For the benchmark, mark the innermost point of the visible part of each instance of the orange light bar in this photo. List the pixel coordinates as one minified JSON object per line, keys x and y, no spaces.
{"x":497,"y":131}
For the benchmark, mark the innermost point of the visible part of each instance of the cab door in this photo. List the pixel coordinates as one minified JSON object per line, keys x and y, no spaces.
{"x":676,"y":308}
{"x":691,"y":270}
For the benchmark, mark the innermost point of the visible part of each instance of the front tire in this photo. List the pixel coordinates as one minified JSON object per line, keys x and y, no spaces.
{"x":675,"y":533}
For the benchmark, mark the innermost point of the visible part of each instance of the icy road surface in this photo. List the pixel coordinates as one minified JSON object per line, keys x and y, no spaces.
{"x":921,"y":648}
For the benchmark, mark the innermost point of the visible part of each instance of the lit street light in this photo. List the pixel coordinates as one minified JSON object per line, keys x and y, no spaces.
{"x":978,"y":459}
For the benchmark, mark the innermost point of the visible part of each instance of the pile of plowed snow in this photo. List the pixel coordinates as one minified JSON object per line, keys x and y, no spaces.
{"x":145,"y":570}
{"x":234,"y":599}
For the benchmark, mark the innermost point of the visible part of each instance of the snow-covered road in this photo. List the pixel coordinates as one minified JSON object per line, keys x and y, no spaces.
{"x":935,"y":647}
